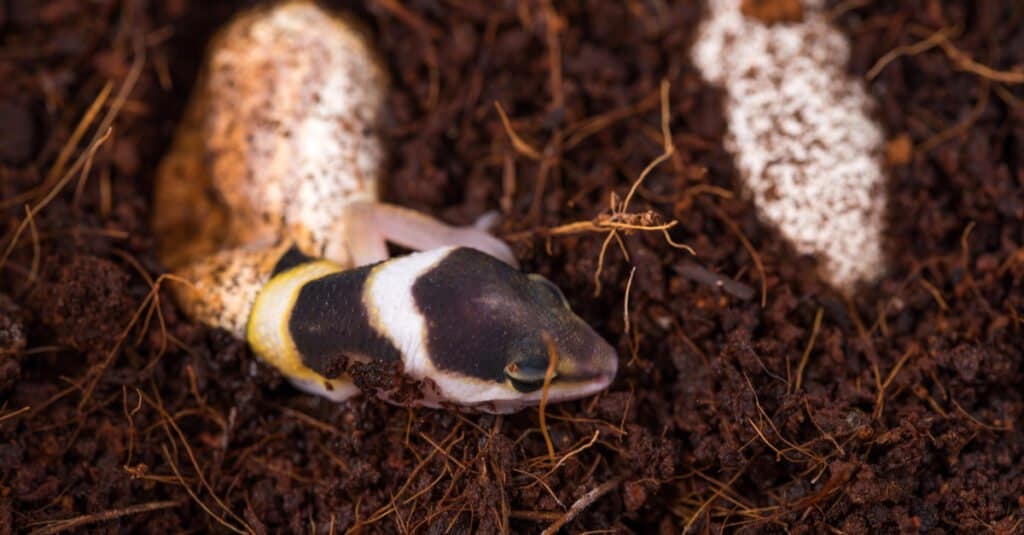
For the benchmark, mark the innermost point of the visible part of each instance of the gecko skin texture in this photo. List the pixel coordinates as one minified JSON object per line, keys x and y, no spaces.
{"x":268,"y":212}
{"x":801,"y":133}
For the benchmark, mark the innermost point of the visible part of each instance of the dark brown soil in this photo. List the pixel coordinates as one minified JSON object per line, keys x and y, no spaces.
{"x":117,"y":415}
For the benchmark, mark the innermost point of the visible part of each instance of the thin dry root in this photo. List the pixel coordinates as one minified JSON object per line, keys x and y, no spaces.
{"x":619,"y":220}
{"x":581,"y":504}
{"x":549,"y":374}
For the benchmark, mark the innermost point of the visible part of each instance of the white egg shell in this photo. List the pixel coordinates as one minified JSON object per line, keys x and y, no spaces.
{"x":801,"y":132}
{"x":281,"y":132}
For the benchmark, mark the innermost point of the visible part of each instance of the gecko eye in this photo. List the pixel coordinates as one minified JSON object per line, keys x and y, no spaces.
{"x":550,"y":288}
{"x":526,"y":376}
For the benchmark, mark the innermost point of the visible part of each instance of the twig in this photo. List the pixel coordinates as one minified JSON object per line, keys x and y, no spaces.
{"x":779,"y":454}
{"x":698,"y":273}
{"x":536,"y":516}
{"x":631,"y":333}
{"x":581,"y":504}
{"x":521,"y":146}
{"x":909,"y":50}
{"x":58,"y":526}
{"x":625,"y":301}
{"x":76,"y":135}
{"x":410,"y":18}
{"x":444,"y":451}
{"x":935,"y":293}
{"x":391,"y":506}
{"x":880,"y":397}
{"x":966,"y":63}
{"x":718,"y":492}
{"x":807,"y":351}
{"x":1010,"y":100}
{"x":548,"y":375}
{"x":33,"y":270}
{"x":619,"y":219}
{"x":168,"y":423}
{"x":844,"y":7}
{"x":979,"y":423}
{"x":667,"y":147}
{"x":427,"y":32}
{"x":134,"y":72}
{"x":311,"y":421}
{"x":577,"y":132}
{"x":152,"y":298}
{"x":192,"y":493}
{"x":79,"y":163}
{"x":553,"y":26}
{"x":750,"y":250}
{"x":13,"y":414}
{"x":540,"y":481}
{"x":939,"y":138}
{"x":573,"y":453}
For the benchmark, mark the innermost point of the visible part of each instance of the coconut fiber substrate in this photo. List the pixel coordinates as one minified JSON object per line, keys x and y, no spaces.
{"x":752,"y":395}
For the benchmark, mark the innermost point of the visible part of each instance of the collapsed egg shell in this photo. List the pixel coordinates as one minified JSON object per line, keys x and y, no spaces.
{"x":282,"y":130}
{"x":802,"y":134}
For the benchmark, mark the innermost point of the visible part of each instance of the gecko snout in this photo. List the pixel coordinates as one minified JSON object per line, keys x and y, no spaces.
{"x":490,"y":331}
{"x":586,"y":364}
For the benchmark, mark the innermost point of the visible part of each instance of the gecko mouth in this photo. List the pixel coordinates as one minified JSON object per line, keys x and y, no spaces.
{"x":585,"y":376}
{"x":569,"y":389}
{"x":556,"y":393}
{"x":580,"y":384}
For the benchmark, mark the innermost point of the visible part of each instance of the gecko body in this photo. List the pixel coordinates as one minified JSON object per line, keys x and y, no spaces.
{"x":267,"y":205}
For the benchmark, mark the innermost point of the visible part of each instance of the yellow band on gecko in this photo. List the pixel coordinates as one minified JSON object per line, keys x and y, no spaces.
{"x":268,"y":332}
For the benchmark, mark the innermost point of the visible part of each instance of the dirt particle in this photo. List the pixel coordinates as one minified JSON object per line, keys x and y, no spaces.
{"x":17,"y":132}
{"x":12,"y":329}
{"x":634,"y":496}
{"x":774,"y":11}
{"x":965,"y":359}
{"x":12,"y":341}
{"x":84,"y":300}
{"x":899,"y":150}
{"x":385,"y":379}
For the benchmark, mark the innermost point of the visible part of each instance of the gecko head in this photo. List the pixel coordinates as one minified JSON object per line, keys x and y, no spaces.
{"x":489,"y":333}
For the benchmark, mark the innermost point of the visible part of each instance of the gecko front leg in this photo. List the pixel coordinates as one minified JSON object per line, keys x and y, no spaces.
{"x":370,"y":225}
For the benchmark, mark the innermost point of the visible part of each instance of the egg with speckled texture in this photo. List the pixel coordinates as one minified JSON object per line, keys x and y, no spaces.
{"x":280,"y":135}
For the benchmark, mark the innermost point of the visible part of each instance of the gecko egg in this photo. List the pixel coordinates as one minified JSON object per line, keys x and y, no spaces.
{"x":283,"y":122}
{"x":802,"y":133}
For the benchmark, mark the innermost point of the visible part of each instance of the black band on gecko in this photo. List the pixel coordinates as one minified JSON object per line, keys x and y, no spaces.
{"x":330,"y":320}
{"x":291,"y":258}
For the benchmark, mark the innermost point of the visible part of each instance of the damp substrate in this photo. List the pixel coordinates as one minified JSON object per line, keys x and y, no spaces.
{"x":897,"y":410}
